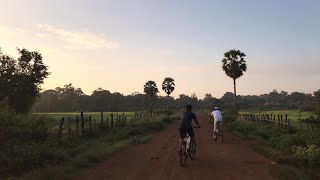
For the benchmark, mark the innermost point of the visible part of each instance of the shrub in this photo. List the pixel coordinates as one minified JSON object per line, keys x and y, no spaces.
{"x":309,"y":155}
{"x":229,"y":116}
{"x":286,"y":141}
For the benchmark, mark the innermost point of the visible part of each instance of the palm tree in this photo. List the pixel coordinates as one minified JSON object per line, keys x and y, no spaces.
{"x":151,"y":89}
{"x":168,"y":87}
{"x":234,"y":65}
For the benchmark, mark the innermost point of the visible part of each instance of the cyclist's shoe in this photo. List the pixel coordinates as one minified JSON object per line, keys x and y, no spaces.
{"x":215,"y":138}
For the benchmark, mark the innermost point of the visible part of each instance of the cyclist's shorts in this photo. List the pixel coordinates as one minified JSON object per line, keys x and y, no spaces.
{"x":183,"y":131}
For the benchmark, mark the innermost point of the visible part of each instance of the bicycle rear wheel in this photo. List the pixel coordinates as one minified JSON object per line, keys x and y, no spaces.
{"x":192,"y":151}
{"x":221,"y":136}
{"x":220,"y":133}
{"x":183,"y":155}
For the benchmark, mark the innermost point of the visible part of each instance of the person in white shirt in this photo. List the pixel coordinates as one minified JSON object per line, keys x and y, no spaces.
{"x":217,"y":116}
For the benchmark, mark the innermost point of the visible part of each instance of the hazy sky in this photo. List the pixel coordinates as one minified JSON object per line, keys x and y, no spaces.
{"x":120,"y":44}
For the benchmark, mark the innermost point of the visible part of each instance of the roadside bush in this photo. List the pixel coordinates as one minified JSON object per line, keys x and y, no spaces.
{"x":285,"y":142}
{"x":241,"y":126}
{"x":229,"y":116}
{"x":26,"y":144}
{"x":309,"y":155}
{"x":302,"y":148}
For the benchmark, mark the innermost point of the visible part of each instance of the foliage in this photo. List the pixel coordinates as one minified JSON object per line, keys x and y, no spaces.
{"x":103,"y":100}
{"x":301,"y":149}
{"x":20,"y":79}
{"x":309,"y":155}
{"x":317,"y":96}
{"x":234,"y":65}
{"x":229,"y":116}
{"x":168,"y":85}
{"x":151,"y":89}
{"x":27,"y":145}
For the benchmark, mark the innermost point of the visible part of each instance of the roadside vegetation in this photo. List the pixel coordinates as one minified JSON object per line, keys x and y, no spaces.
{"x":29,"y":150}
{"x":297,"y":154}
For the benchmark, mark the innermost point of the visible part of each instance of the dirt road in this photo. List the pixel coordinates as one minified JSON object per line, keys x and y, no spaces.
{"x":158,"y":160}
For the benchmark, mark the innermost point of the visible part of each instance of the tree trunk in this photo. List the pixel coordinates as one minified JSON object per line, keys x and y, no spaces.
{"x":168,"y":104}
{"x":235,"y":94}
{"x":150,"y":105}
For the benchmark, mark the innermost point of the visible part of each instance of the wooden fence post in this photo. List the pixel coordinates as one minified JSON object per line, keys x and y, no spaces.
{"x":101,"y":121}
{"x":123,"y":117}
{"x":82,"y":123}
{"x":77,"y":125}
{"x":300,"y":120}
{"x":111,"y":120}
{"x":61,"y":126}
{"x":286,"y":121}
{"x":68,"y":125}
{"x":90,"y":123}
{"x":117,"y":120}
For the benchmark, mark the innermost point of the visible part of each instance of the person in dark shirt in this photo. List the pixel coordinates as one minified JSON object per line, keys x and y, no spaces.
{"x":186,"y":125}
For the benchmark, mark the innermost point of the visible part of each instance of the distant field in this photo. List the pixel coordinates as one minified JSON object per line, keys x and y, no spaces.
{"x":292,"y":114}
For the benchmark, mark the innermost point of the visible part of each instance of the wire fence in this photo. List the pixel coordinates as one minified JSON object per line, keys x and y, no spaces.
{"x":283,"y":122}
{"x":81,"y":125}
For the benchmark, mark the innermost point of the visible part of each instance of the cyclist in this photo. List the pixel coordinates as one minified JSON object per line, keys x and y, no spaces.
{"x":217,"y":116}
{"x":185,"y":125}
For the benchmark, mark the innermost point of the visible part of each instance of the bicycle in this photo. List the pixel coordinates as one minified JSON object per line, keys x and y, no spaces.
{"x":219,"y":133}
{"x":186,"y":151}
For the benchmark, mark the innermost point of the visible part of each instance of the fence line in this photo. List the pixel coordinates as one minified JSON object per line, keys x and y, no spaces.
{"x":83,"y":126}
{"x":283,"y":122}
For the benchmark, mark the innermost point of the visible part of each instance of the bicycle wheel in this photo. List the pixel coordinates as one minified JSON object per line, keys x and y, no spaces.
{"x":214,"y":135}
{"x":192,"y":151}
{"x":221,"y":136}
{"x":183,"y":155}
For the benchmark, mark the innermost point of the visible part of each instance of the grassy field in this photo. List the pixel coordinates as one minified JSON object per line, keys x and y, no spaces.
{"x":293,"y":115}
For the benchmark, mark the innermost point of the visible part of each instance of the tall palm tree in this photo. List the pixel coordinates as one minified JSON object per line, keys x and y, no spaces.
{"x":168,"y":87}
{"x":151,"y":89}
{"x":234,"y":65}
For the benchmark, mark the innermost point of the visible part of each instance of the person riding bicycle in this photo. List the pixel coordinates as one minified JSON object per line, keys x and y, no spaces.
{"x":217,"y":116}
{"x":185,"y":125}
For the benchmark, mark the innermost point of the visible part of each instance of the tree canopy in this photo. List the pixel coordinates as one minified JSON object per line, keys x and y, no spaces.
{"x":168,"y":85}
{"x":234,"y":65}
{"x":21,"y":79}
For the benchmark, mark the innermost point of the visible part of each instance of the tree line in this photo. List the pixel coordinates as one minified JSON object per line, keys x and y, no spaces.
{"x":70,"y":99}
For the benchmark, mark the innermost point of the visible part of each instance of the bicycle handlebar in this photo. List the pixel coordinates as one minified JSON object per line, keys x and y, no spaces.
{"x":195,"y":126}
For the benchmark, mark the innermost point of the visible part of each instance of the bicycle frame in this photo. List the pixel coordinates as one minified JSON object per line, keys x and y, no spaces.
{"x":187,"y":140}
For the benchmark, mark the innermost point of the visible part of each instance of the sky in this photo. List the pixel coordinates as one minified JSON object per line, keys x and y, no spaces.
{"x":119,"y":45}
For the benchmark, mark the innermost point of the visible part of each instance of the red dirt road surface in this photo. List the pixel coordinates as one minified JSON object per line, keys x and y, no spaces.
{"x":159,"y":160}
